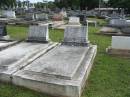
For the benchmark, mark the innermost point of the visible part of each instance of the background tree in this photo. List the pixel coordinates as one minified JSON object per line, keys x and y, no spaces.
{"x":6,"y":4}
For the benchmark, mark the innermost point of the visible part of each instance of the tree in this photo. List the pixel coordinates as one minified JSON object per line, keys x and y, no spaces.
{"x":7,"y":3}
{"x":120,"y":4}
{"x":82,"y":4}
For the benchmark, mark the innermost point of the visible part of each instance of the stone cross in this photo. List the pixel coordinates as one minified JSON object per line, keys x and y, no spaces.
{"x":76,"y":35}
{"x":38,"y":33}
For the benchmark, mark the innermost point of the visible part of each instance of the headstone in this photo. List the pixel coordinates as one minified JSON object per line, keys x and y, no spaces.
{"x":76,"y":35}
{"x":125,"y":30}
{"x":30,"y":16}
{"x":38,"y":33}
{"x":41,"y":16}
{"x":3,"y":31}
{"x":121,"y":42}
{"x":9,"y":14}
{"x":118,"y":23}
{"x":74,"y":21}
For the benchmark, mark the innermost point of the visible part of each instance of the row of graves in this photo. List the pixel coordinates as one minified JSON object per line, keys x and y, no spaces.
{"x":119,"y":29}
{"x":58,"y":69}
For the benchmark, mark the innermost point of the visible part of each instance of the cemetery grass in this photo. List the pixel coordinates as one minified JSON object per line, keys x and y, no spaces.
{"x":110,"y":75}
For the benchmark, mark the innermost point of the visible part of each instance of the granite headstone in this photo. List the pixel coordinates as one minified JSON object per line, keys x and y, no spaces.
{"x":3,"y":31}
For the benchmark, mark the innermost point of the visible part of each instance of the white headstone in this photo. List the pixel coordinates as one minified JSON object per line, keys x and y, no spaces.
{"x":121,"y":42}
{"x":74,"y":21}
{"x":38,"y":33}
{"x":9,"y":14}
{"x":118,"y":22}
{"x":42,"y":16}
{"x":76,"y":34}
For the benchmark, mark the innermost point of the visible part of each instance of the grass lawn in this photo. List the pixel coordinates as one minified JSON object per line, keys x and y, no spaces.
{"x":110,"y":76}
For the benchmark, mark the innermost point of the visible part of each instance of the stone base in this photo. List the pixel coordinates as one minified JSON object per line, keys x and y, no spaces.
{"x":18,"y":56}
{"x":6,"y":38}
{"x":62,"y":71}
{"x":119,"y":52}
{"x":76,"y":44}
{"x":110,"y":31}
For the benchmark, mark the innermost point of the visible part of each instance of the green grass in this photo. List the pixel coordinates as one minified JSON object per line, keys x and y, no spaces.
{"x":110,"y":76}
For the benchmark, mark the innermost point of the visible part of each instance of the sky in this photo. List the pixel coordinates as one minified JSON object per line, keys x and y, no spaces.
{"x":36,"y":0}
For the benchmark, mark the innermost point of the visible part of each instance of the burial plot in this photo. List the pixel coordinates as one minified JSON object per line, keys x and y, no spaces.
{"x":18,"y":56}
{"x":110,"y":31}
{"x":63,"y":70}
{"x":120,"y":46}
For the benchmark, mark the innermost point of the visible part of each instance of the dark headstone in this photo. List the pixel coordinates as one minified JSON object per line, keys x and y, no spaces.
{"x":125,"y":30}
{"x":3,"y":31}
{"x":83,"y":19}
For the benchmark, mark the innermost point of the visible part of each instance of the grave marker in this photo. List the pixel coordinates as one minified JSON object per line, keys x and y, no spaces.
{"x":38,"y":33}
{"x":76,"y":35}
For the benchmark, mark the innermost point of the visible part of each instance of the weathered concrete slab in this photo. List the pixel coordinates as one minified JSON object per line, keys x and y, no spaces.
{"x":60,"y":72}
{"x":16,"y":57}
{"x":5,"y":44}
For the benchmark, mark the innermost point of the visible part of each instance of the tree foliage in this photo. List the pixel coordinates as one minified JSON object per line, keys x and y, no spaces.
{"x":82,"y":4}
{"x":7,"y":3}
{"x":120,"y":3}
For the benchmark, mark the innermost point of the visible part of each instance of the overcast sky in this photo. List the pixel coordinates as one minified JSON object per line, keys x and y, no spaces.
{"x":37,"y":0}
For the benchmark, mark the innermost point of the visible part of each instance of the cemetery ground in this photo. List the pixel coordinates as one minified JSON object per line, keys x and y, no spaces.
{"x":110,"y":75}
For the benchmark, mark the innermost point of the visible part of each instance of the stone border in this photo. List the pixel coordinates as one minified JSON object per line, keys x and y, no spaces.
{"x":118,"y":52}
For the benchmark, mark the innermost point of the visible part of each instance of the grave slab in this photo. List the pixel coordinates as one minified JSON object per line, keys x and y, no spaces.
{"x":15,"y":57}
{"x":6,"y":44}
{"x":60,"y":72}
{"x":63,"y":70}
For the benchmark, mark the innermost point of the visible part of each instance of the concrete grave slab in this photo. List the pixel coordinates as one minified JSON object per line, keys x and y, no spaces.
{"x":15,"y":57}
{"x":6,"y":44}
{"x":60,"y":72}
